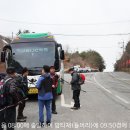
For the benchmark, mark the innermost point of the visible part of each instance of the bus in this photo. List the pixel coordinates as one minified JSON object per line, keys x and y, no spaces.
{"x":33,"y":50}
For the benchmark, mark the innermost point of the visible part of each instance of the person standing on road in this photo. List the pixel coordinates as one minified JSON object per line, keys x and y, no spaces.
{"x":44,"y":85}
{"x":75,"y":86}
{"x":54,"y":77}
{"x":8,"y":116}
{"x":24,"y":87}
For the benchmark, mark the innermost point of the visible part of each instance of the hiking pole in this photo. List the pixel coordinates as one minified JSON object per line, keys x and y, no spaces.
{"x":70,"y":84}
{"x":13,"y":104}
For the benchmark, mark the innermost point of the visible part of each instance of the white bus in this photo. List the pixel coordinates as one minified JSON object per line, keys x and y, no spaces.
{"x":33,"y":50}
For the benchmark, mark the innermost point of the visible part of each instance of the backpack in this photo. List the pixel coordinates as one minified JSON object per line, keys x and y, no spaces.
{"x":20,"y":86}
{"x":3,"y":92}
{"x":2,"y":75}
{"x":47,"y":84}
{"x":82,"y":79}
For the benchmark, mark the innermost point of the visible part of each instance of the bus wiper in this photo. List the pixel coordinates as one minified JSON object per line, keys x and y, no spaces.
{"x":33,"y":68}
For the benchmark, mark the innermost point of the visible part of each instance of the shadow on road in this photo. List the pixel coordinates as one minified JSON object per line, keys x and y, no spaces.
{"x":32,"y":98}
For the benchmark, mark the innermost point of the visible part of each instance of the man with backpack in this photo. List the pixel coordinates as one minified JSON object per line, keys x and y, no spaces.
{"x":24,"y":86}
{"x":76,"y":87}
{"x":8,"y":100}
{"x":44,"y":85}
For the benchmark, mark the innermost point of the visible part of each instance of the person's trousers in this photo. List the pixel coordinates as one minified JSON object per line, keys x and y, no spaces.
{"x":54,"y":99}
{"x":76,"y":94}
{"x":8,"y":117}
{"x":47,"y":104}
{"x":2,"y":119}
{"x":20,"y":109}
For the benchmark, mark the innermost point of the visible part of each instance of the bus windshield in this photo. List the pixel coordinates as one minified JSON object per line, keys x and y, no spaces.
{"x":34,"y":55}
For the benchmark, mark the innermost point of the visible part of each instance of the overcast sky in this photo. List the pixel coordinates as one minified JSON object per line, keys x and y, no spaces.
{"x":74,"y":17}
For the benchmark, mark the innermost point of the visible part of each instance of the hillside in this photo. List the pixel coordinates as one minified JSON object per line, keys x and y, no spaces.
{"x":123,"y":64}
{"x":88,"y":58}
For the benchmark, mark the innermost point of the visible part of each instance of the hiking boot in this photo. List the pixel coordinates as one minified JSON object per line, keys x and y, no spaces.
{"x":54,"y":112}
{"x":41,"y":124}
{"x":24,"y":117}
{"x":72,"y":107}
{"x":21,"y":120}
{"x":48,"y":123}
{"x":75,"y":108}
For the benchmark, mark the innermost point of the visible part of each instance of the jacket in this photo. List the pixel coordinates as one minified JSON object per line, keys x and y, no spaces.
{"x":55,"y":80}
{"x":75,"y":81}
{"x":11,"y":90}
{"x":20,"y":86}
{"x":42,"y":95}
{"x":25,"y":85}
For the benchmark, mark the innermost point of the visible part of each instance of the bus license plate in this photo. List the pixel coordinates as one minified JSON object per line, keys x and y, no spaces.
{"x":33,"y":91}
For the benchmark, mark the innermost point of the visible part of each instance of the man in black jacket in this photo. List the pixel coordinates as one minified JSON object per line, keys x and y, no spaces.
{"x":8,"y":116}
{"x":24,"y":87}
{"x":75,"y":86}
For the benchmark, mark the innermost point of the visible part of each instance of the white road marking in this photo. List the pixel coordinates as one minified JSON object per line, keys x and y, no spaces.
{"x":63,"y":102}
{"x":121,"y":99}
{"x":124,"y":79}
{"x":90,"y":73}
{"x":72,"y":103}
{"x":89,"y":82}
{"x":102,"y":86}
{"x":118,"y":78}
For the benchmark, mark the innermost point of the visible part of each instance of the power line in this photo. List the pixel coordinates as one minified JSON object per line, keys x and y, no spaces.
{"x":86,"y":35}
{"x":97,"y":47}
{"x":92,"y":35}
{"x":86,"y":24}
{"x":83,"y":35}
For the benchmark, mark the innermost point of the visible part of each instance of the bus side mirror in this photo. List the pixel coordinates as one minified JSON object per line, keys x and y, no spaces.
{"x":57,"y":65}
{"x":62,"y":55}
{"x":3,"y":56}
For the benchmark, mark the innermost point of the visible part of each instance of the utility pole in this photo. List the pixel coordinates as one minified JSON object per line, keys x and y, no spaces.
{"x":12,"y":35}
{"x":123,"y":51}
{"x":123,"y":46}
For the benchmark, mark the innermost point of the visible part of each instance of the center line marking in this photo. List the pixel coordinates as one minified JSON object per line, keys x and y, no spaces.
{"x":121,"y":99}
{"x":102,"y":86}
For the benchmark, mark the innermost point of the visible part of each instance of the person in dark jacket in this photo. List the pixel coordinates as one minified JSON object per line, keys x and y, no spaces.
{"x":44,"y":85}
{"x":8,"y":116}
{"x":54,"y":77}
{"x":24,"y":87}
{"x":75,"y":86}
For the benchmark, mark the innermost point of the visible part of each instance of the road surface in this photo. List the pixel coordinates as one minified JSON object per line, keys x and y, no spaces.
{"x":105,"y":106}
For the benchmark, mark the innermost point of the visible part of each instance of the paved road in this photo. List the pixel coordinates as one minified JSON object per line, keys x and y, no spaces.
{"x":105,"y":106}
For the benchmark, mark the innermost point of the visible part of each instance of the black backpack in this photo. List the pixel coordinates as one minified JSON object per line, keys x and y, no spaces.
{"x":3,"y":92}
{"x":47,"y":84}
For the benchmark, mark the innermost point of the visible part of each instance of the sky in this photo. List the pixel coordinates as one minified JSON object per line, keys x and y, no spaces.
{"x":85,"y":18}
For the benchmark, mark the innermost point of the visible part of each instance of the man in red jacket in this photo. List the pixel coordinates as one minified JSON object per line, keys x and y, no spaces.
{"x":54,"y":77}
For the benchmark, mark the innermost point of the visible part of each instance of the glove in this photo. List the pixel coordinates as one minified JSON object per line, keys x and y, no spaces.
{"x":53,"y":86}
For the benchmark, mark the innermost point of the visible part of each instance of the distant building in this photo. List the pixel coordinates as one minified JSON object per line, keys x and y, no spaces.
{"x":3,"y":41}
